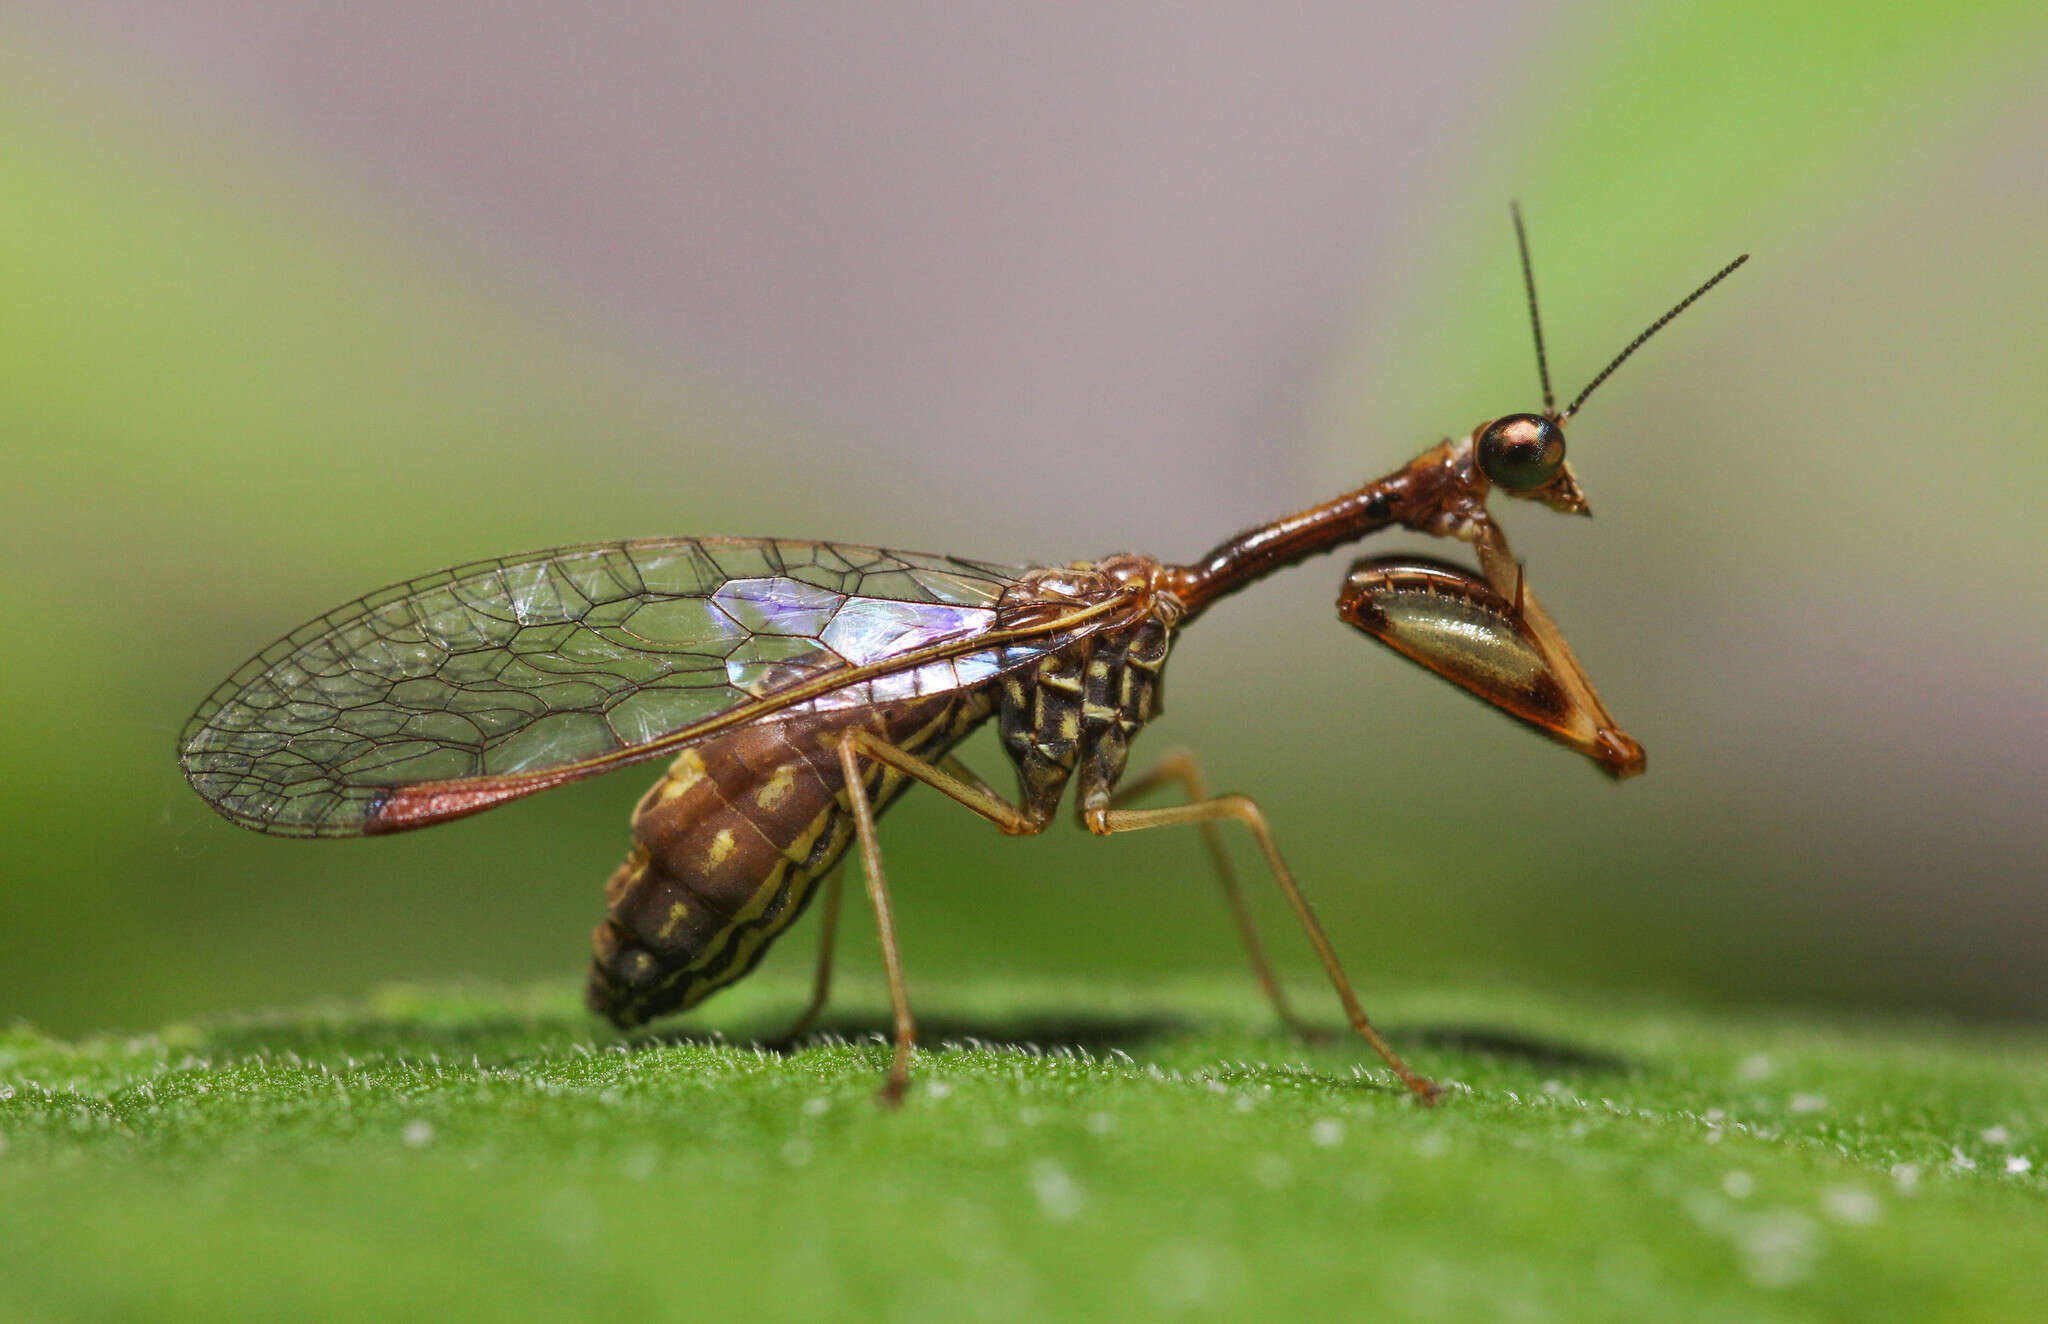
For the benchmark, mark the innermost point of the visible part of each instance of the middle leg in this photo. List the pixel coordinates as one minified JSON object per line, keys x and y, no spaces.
{"x":1180,"y":767}
{"x":1104,"y":821}
{"x":971,"y":791}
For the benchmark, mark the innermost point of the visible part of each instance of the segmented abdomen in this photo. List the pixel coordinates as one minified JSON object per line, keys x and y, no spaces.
{"x":729,"y":845}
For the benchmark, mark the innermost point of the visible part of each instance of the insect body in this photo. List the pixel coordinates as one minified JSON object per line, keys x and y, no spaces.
{"x":800,"y":687}
{"x":728,"y":845}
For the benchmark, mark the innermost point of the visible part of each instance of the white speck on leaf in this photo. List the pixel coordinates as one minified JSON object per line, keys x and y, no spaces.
{"x":1738,"y":1185}
{"x":572,"y":1217}
{"x":938,"y":1089}
{"x":1433,"y":1144}
{"x":817,"y":1106}
{"x":1852,"y":1204}
{"x":418,"y":1134}
{"x":1327,"y":1132}
{"x":1777,"y":1248}
{"x":1960,"y":1161}
{"x":1101,"y":1123}
{"x":1996,"y":1135}
{"x":1757,"y":1066}
{"x":1186,"y":1275}
{"x":2018,"y":1164}
{"x":1553,"y":1087}
{"x":1059,"y":1197}
{"x":1272,"y":1172}
{"x":1907,"y":1175}
{"x":1809,"y":1103}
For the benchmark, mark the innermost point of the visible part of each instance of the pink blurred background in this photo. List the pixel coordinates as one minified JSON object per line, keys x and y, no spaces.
{"x":1047,"y":282}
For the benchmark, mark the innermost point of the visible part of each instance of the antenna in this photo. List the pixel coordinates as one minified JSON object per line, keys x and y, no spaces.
{"x":1535,"y":319}
{"x":1633,"y":345}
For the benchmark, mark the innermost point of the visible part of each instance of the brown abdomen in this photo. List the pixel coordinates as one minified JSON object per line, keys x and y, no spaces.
{"x":728,"y":847}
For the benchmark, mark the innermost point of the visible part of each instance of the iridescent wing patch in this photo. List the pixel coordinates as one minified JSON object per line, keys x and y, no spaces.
{"x":504,"y":677}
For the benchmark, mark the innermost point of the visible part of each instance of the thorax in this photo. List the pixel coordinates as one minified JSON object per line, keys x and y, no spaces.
{"x":1078,"y":707}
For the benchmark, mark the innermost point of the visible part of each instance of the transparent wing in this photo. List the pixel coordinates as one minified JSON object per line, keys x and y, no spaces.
{"x":504,"y":677}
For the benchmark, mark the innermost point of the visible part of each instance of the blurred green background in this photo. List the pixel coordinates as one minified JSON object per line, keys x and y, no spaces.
{"x":262,"y":350}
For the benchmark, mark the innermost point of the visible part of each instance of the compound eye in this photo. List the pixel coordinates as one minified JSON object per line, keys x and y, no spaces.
{"x":1521,"y":452}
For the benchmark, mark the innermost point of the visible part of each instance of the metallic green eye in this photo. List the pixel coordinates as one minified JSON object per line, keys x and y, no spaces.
{"x":1522,"y":452}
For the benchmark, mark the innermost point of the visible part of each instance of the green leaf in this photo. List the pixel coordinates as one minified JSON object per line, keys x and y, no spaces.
{"x":1066,"y":1152}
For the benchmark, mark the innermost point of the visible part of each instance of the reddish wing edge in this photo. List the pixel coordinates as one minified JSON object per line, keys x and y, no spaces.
{"x":564,"y":647}
{"x":425,"y":803}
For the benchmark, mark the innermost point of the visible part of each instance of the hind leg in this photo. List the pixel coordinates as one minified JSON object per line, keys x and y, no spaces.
{"x":821,"y":980}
